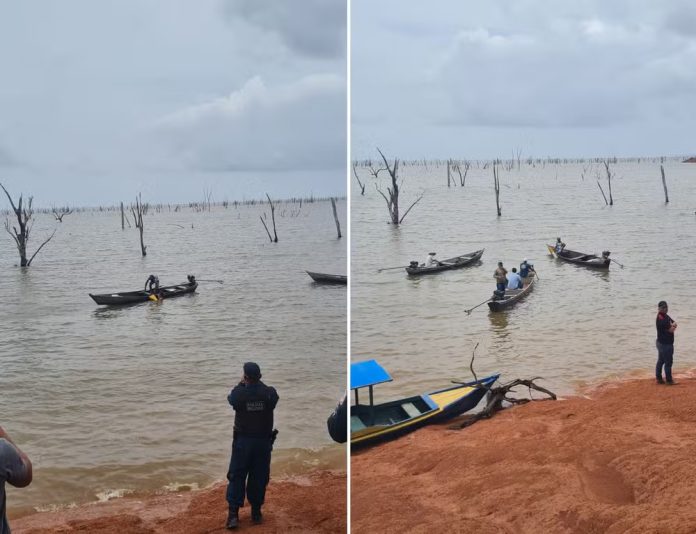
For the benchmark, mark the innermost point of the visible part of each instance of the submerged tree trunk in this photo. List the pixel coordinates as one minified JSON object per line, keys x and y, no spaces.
{"x":496,"y":184}
{"x":664,"y":184}
{"x":338,"y":224}
{"x":25,"y":222}
{"x":138,"y":211}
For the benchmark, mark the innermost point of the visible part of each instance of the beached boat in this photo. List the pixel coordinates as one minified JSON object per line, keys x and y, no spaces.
{"x":323,"y":278}
{"x":133,"y":297}
{"x":451,"y":263}
{"x":579,"y":258}
{"x":512,"y":296}
{"x":371,"y":423}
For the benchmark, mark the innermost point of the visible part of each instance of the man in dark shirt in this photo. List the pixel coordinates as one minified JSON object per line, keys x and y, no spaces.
{"x":15,"y":469}
{"x":664,"y":343}
{"x":253,"y":403}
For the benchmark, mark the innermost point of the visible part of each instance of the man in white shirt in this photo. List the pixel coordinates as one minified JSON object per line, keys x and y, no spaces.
{"x":514,"y":280}
{"x":431,"y":261}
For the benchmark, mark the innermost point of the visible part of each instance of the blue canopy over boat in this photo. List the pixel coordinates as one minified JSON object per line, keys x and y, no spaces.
{"x":367,"y":373}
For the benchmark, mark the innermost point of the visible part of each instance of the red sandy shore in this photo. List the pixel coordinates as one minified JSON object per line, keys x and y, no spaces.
{"x":313,"y":503}
{"x":619,"y":461}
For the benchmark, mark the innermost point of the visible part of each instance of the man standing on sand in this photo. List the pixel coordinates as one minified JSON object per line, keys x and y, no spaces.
{"x":15,"y":469}
{"x":253,"y":403}
{"x":664,"y":343}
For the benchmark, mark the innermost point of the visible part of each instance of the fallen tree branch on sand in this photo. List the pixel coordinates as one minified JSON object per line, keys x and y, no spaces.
{"x":496,"y":396}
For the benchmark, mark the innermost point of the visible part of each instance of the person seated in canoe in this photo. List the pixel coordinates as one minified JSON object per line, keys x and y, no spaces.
{"x":431,"y":261}
{"x":500,"y":276}
{"x":191,"y":279}
{"x":152,"y":284}
{"x":560,"y":245}
{"x":526,"y":268}
{"x":514,"y":280}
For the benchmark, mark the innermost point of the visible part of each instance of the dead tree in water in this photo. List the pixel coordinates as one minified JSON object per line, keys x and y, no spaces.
{"x":496,"y":184}
{"x":609,"y":175}
{"x":362,"y":185}
{"x":275,"y":234}
{"x":393,"y":199}
{"x":462,"y":178}
{"x":449,"y":164}
{"x":138,"y":211}
{"x":664,"y":184}
{"x":122,"y":217}
{"x":496,"y":396}
{"x":338,"y":225}
{"x":25,"y":222}
{"x":59,"y":213}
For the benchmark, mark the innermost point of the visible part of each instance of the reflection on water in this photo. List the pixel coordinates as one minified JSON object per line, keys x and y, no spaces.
{"x":577,"y":325}
{"x":134,"y":397}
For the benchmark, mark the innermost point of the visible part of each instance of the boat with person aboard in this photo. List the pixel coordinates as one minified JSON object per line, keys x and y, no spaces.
{"x":445,"y":265}
{"x":512,"y":296}
{"x":134,"y":297}
{"x":579,"y":258}
{"x":371,"y":423}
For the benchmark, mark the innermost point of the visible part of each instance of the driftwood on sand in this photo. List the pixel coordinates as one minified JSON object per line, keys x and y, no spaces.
{"x":497,"y":395}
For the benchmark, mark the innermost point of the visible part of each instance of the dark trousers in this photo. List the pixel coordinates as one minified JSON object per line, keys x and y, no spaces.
{"x":250,"y":470}
{"x":500,"y":286}
{"x":665,"y":355}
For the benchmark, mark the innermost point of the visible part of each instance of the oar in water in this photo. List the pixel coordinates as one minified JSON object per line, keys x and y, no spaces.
{"x":617,"y":263}
{"x":392,"y":268}
{"x":205,"y":280}
{"x":468,"y":312}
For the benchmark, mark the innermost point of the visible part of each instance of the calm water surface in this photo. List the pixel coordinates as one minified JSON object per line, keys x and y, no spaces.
{"x":108,"y":401}
{"x":577,"y":326}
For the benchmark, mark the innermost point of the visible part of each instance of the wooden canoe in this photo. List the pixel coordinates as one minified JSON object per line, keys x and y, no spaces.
{"x":445,"y":265}
{"x":133,"y":297}
{"x":322,"y":278}
{"x":578,"y":258}
{"x":512,"y":296}
{"x":372,"y":423}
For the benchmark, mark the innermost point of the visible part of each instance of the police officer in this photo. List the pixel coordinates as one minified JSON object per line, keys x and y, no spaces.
{"x":253,"y":403}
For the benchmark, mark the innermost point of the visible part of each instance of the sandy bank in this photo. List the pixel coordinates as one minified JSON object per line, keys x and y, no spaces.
{"x":620,"y":461}
{"x":312,"y":503}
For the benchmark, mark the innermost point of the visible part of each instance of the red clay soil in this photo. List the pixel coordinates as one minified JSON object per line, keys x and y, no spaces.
{"x":620,"y":461}
{"x":313,"y":503}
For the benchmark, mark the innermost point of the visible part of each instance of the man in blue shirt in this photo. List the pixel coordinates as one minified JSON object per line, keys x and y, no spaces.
{"x":15,"y":469}
{"x":525,"y":268}
{"x":514,"y":280}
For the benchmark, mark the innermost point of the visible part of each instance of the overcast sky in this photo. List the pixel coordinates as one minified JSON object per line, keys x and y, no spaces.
{"x":102,"y":99}
{"x":454,"y":78}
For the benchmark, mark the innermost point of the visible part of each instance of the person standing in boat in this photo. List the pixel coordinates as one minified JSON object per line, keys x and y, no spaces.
{"x":252,"y":443}
{"x":514,"y":280}
{"x":152,"y":284}
{"x":15,"y":469}
{"x":500,"y":276}
{"x":664,"y":343}
{"x":560,"y":245}
{"x":526,"y":268}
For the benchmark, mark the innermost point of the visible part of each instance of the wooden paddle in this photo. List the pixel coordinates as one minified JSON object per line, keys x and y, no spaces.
{"x":617,"y":263}
{"x":205,"y":280}
{"x":468,"y":312}
{"x":392,"y":268}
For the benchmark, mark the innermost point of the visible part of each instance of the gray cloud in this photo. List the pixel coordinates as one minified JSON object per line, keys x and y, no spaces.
{"x":313,"y":27}
{"x":294,"y":126}
{"x":464,"y":72}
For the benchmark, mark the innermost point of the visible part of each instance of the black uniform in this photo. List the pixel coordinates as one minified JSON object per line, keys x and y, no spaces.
{"x":665,"y":347}
{"x":252,"y":443}
{"x":338,"y":421}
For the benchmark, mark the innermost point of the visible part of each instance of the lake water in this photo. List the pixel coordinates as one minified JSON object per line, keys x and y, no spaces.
{"x":111,"y":401}
{"x":577,"y":326}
